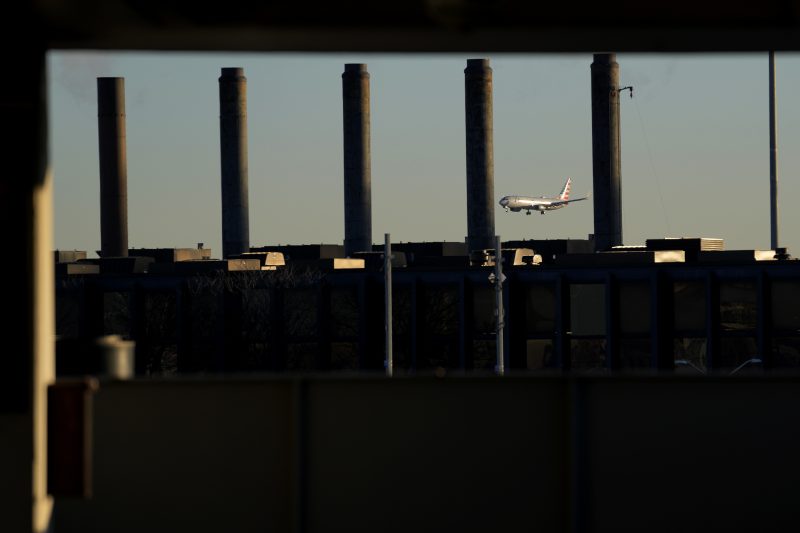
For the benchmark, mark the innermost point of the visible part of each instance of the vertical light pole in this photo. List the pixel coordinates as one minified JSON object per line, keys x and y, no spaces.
{"x":498,"y":303}
{"x":387,"y":291}
{"x":773,"y":157}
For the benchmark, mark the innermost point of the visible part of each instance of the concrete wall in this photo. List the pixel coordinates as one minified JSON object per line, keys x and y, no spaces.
{"x":453,"y":454}
{"x":689,"y":456}
{"x":459,"y":455}
{"x":188,"y":456}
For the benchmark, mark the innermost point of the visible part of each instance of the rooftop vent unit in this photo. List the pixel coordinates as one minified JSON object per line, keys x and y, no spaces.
{"x":691,"y":245}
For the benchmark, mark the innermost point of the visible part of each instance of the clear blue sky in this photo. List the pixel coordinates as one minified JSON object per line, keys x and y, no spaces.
{"x":695,"y":146}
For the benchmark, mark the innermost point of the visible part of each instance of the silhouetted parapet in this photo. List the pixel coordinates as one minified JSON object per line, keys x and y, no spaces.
{"x":122,"y":265}
{"x":520,"y":257}
{"x":292,"y":252}
{"x":214,"y":265}
{"x":428,"y":249}
{"x":692,"y":246}
{"x":736,"y":256}
{"x":172,"y":255}
{"x":74,"y":269}
{"x":267,"y":260}
{"x":68,"y":256}
{"x":619,"y":258}
{"x":374,"y":260}
{"x":549,"y":248}
{"x":324,"y":264}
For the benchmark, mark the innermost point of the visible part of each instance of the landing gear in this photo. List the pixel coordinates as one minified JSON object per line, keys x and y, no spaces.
{"x":541,"y":212}
{"x":506,"y":208}
{"x":527,"y":212}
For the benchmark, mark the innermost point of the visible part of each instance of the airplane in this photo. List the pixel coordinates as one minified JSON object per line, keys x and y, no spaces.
{"x":541,"y":203}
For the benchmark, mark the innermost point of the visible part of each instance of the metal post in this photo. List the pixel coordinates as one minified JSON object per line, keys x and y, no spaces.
{"x":387,"y":290}
{"x":498,"y":302}
{"x":773,"y":157}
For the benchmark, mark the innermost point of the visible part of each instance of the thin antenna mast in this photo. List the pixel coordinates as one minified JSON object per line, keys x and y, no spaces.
{"x":773,"y":157}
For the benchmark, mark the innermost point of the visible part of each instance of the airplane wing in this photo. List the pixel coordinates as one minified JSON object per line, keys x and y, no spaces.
{"x":565,"y":202}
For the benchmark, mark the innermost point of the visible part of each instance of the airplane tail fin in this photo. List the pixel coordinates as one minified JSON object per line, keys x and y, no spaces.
{"x":565,"y":191}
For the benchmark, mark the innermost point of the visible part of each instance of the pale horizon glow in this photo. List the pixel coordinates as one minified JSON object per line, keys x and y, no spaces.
{"x":695,"y":146}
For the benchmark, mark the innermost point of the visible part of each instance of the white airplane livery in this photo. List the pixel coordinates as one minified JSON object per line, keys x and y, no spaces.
{"x":540,"y":203}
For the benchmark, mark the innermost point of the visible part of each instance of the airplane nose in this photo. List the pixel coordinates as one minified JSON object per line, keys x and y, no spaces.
{"x":504,"y":202}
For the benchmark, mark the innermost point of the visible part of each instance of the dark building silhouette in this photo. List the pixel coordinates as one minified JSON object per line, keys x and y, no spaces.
{"x":591,"y":453}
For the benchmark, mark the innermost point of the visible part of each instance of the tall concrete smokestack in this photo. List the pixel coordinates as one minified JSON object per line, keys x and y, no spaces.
{"x":113,"y":167}
{"x":233,"y":159}
{"x":480,"y":154}
{"x":606,"y":152}
{"x":357,"y":173}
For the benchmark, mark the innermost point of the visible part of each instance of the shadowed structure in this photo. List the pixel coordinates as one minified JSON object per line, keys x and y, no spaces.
{"x":609,"y":464}
{"x":606,"y":152}
{"x":113,"y":167}
{"x":480,"y":154}
{"x":357,"y":173}
{"x":233,"y":159}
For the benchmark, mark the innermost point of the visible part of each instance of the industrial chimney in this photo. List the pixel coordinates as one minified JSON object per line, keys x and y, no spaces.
{"x":480,"y":158}
{"x":606,"y":152}
{"x":357,"y":174}
{"x":233,"y":160}
{"x":113,"y":167}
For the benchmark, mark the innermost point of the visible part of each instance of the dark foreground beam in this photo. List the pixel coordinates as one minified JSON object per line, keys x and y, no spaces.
{"x":423,"y":25}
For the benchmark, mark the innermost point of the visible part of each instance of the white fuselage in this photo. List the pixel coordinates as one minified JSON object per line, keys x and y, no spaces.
{"x":531,"y":203}
{"x":542,"y":204}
